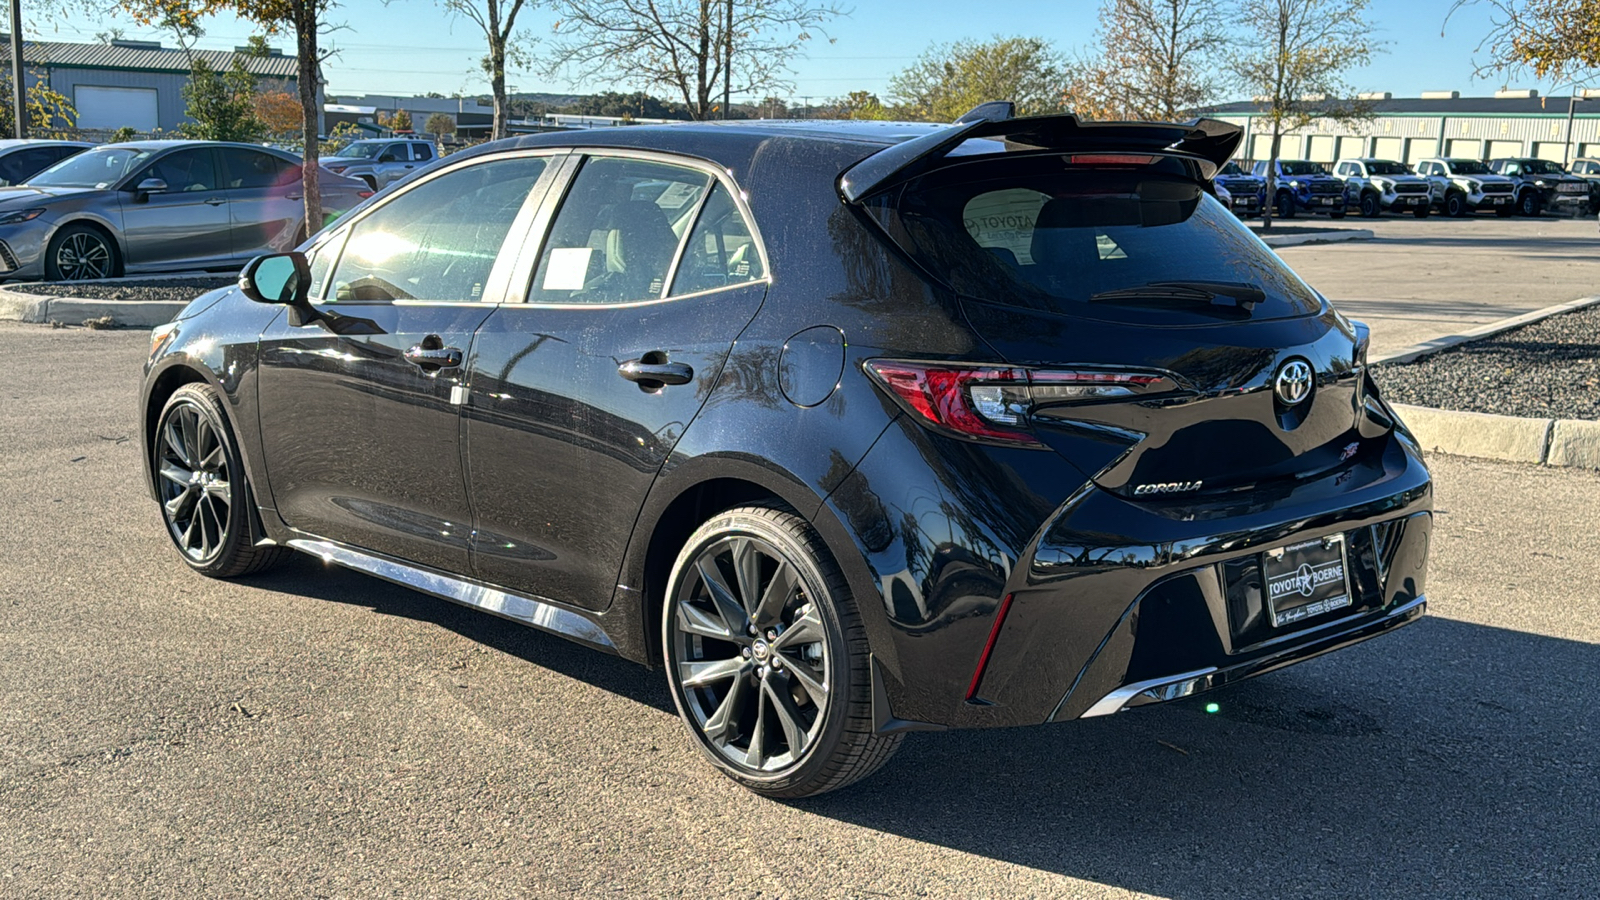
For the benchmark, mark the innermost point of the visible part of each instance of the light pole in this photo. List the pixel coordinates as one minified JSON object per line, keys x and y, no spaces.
{"x":19,"y":89}
{"x":1572,"y":107}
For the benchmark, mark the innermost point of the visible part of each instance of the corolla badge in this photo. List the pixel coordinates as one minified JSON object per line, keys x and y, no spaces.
{"x":1293,"y":382}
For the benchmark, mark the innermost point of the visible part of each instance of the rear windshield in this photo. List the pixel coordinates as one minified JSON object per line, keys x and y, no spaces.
{"x":1056,"y":237}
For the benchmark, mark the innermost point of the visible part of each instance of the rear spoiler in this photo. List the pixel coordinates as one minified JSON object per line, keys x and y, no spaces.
{"x":1210,"y":141}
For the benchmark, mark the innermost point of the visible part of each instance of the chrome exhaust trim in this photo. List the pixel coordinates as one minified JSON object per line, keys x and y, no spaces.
{"x":1158,"y":689}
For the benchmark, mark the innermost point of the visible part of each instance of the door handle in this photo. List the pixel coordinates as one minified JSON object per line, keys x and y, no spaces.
{"x":296,"y":196}
{"x":434,"y":358}
{"x":216,"y":201}
{"x":651,"y":375}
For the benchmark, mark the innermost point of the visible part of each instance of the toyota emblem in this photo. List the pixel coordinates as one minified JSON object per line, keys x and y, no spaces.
{"x":1293,"y":384}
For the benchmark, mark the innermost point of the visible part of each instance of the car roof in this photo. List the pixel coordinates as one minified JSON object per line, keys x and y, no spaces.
{"x":164,"y":145}
{"x":12,"y":143}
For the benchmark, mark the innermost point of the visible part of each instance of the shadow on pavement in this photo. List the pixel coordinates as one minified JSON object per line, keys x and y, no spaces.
{"x":1449,"y":759}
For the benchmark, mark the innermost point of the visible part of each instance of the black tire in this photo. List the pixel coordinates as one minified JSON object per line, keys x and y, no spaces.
{"x":768,"y":565}
{"x":1528,"y":204}
{"x":77,"y":252}
{"x":1422,"y":212}
{"x":1370,"y":207}
{"x":206,"y":501}
{"x":1285,"y":205}
{"x":1455,"y":204}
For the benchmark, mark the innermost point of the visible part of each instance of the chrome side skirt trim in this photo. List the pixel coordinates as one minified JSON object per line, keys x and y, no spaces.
{"x":1169,"y":688}
{"x":539,"y":614}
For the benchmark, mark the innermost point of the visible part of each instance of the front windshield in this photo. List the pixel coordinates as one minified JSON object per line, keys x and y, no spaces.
{"x":99,"y":168}
{"x":1543,"y":167}
{"x":1232,"y":169}
{"x":1303,"y":168}
{"x":361,"y":151}
{"x":1387,"y":168}
{"x":1467,"y":167}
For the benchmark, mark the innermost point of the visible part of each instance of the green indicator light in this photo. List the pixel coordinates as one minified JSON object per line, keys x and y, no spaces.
{"x":1212,"y":707}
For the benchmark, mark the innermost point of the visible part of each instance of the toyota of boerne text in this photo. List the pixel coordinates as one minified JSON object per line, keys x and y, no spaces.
{"x":852,"y":428}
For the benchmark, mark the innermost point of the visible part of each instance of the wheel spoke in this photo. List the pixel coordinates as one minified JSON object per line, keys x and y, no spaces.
{"x":219,"y":490}
{"x":694,"y":620}
{"x":176,"y":505}
{"x":788,"y":718}
{"x":176,"y":474}
{"x":756,"y":756}
{"x":728,"y":606}
{"x":810,"y":680}
{"x":806,"y":630}
{"x":174,"y":439}
{"x":779,"y":590}
{"x":723,"y":726}
{"x":747,"y":572}
{"x":703,"y":674}
{"x":188,"y":533}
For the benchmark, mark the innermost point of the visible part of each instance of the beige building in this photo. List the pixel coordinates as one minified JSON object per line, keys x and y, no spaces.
{"x":1512,"y":123}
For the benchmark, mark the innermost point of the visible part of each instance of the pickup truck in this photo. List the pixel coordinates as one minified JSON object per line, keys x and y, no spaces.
{"x":1542,"y":184}
{"x":1376,"y":186}
{"x":1304,"y":186}
{"x":1589,"y":170}
{"x":1247,"y":191}
{"x":1460,"y":186}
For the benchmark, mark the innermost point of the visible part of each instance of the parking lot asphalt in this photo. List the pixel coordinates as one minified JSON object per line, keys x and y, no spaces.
{"x":1421,"y":279}
{"x":313,"y":732}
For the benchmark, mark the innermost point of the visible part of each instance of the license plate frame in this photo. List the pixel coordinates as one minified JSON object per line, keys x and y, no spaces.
{"x":1306,"y":579}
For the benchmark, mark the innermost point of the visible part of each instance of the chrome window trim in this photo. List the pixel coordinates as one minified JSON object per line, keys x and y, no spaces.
{"x":534,"y":245}
{"x":498,"y":284}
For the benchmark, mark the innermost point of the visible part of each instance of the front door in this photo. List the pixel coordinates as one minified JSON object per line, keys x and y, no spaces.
{"x":373,"y":458}
{"x":187,"y":223}
{"x":579,"y":396}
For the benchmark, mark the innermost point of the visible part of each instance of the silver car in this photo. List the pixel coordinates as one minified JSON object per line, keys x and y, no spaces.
{"x":381,"y":163}
{"x":21,"y":160}
{"x":153,"y":206}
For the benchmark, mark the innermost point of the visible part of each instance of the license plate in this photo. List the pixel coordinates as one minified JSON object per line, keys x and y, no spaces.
{"x":1326,"y":201}
{"x":1306,"y":579}
{"x":1501,"y":201}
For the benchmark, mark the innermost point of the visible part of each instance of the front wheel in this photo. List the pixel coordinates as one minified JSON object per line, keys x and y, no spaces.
{"x":78,"y":252}
{"x":200,"y":481}
{"x":1528,"y":204}
{"x":1455,"y":205}
{"x":766,"y":656}
{"x":1285,"y":206}
{"x":1369,"y":206}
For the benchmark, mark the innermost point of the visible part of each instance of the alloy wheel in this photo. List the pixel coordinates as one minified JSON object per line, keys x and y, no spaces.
{"x":750,"y":653}
{"x":83,"y":255}
{"x":195,"y":489}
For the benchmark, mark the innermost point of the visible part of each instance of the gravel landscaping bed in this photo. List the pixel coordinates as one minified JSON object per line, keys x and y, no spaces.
{"x":181,"y":290}
{"x":1547,"y":370}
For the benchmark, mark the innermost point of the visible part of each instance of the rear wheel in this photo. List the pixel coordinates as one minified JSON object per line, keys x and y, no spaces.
{"x":78,"y":252}
{"x":1369,"y":206}
{"x":1455,"y":205}
{"x":200,"y":481}
{"x":767,"y":658}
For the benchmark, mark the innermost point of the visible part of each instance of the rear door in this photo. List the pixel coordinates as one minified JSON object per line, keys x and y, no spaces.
{"x":373,"y":455}
{"x":649,"y":271}
{"x":266,"y":200}
{"x":186,"y":224}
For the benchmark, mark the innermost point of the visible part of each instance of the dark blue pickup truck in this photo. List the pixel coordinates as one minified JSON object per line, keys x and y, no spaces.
{"x":1304,"y":187}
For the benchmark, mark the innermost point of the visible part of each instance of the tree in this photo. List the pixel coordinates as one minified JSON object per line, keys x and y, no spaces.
{"x":638,"y":105}
{"x":400,"y":121}
{"x":1555,"y":39}
{"x":305,"y":18}
{"x":440,"y":124}
{"x":497,"y":19}
{"x":278,"y":111}
{"x":950,"y":79}
{"x":1158,"y":59}
{"x":1294,"y":61}
{"x":860,"y":105}
{"x":48,"y":111}
{"x":256,"y":46}
{"x":687,"y":47}
{"x":222,"y":105}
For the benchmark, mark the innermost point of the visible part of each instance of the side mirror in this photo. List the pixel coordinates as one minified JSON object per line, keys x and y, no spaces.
{"x":152,"y":186}
{"x":281,"y":278}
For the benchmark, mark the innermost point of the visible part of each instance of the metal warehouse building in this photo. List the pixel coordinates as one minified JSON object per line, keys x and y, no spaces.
{"x":1511,"y":123}
{"x":134,"y":84}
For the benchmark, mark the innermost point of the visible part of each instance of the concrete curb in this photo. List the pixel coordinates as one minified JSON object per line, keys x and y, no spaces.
{"x":1427,"y":348}
{"x":1320,"y":237}
{"x":20,"y":306}
{"x":1548,"y":442}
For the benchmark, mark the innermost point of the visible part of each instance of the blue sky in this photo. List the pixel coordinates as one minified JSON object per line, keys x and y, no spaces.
{"x":412,"y":46}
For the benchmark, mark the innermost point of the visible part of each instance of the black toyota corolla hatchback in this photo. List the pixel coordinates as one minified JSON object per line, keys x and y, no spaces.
{"x":854,"y":429}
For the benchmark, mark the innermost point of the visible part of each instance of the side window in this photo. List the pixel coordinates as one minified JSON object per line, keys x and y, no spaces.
{"x":13,"y":168}
{"x":398,"y":151}
{"x":185,"y":170}
{"x":251,"y":169}
{"x":421,"y":152}
{"x":438,"y":241}
{"x":616,"y":234}
{"x":721,"y":250}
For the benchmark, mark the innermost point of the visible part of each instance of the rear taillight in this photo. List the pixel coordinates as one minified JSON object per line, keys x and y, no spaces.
{"x":995,"y":403}
{"x":363,"y":194}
